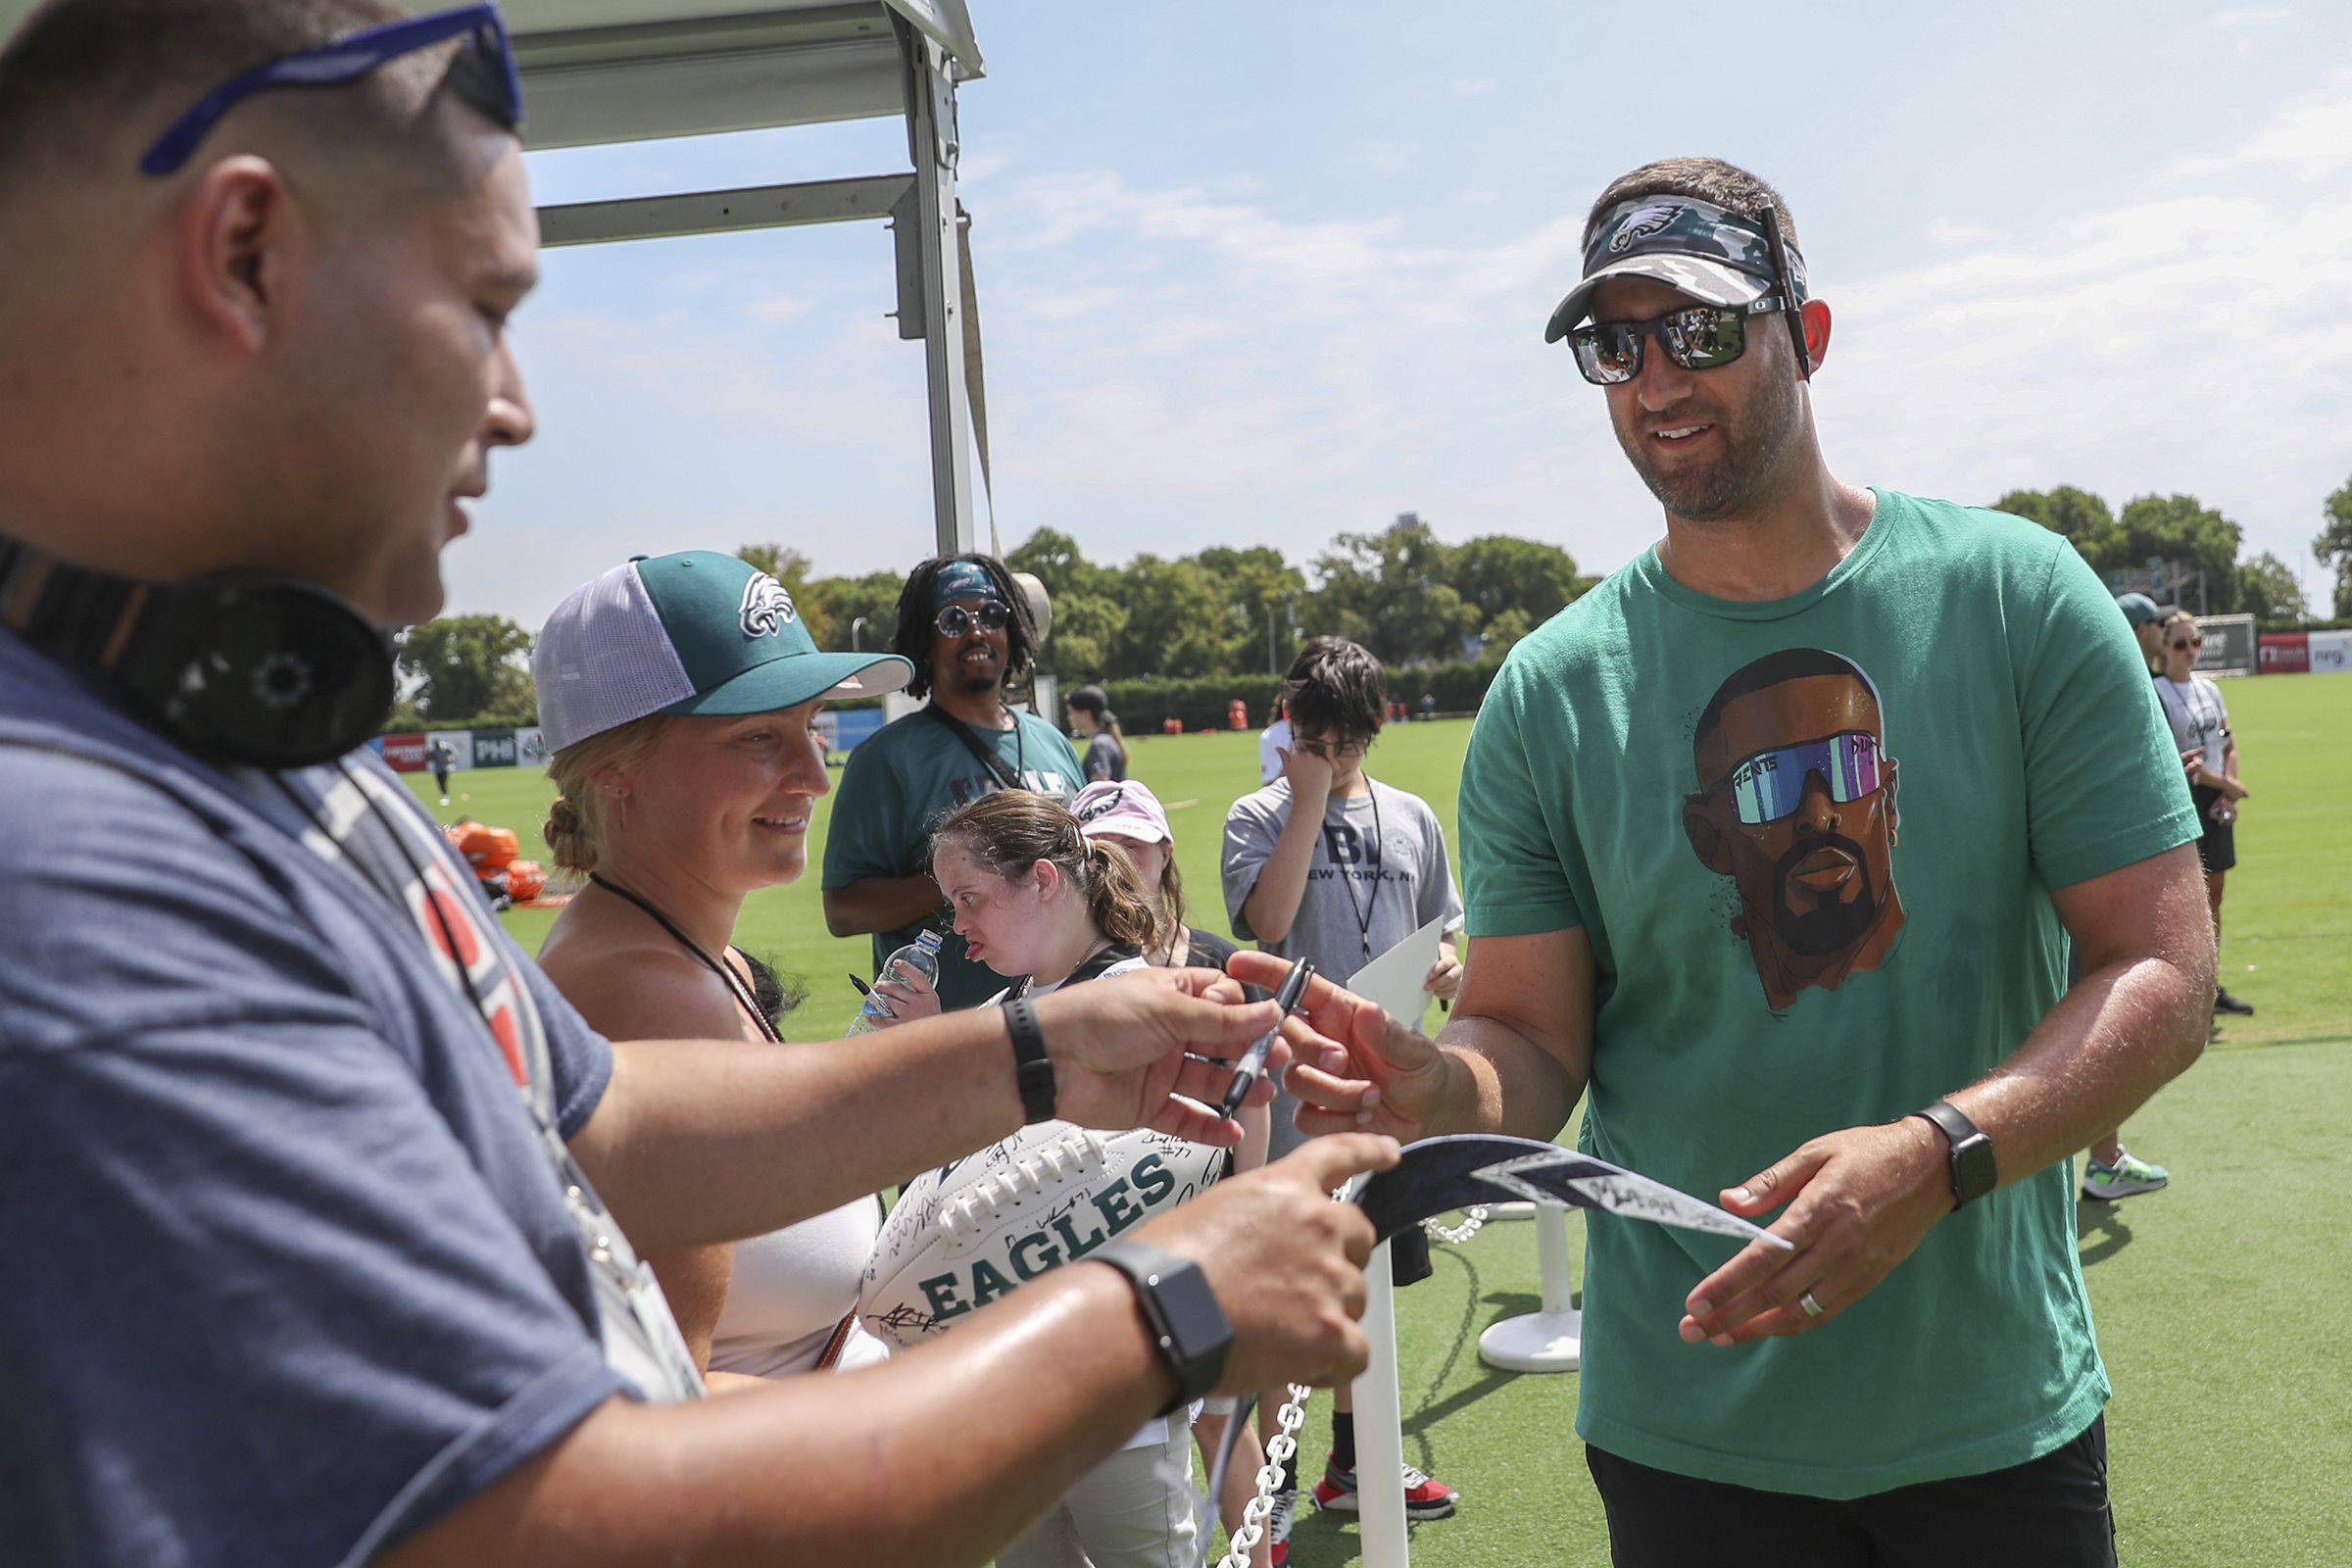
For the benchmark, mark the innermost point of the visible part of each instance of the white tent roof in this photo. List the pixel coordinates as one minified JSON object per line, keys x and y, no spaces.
{"x":617,"y":71}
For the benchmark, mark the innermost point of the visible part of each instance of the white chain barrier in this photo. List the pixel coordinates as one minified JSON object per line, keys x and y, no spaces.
{"x":1473,"y":1218}
{"x":1279,"y":1449}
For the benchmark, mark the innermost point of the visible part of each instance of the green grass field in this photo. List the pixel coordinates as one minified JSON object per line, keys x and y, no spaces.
{"x":2222,"y":1303}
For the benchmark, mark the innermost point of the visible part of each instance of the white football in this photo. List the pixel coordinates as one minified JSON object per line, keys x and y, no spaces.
{"x":968,"y":1232}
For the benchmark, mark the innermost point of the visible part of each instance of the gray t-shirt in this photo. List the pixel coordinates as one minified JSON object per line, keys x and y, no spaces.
{"x":290,"y":1271}
{"x":1367,"y":890}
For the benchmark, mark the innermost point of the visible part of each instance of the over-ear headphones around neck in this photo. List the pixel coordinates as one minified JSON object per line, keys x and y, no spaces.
{"x":239,"y":666}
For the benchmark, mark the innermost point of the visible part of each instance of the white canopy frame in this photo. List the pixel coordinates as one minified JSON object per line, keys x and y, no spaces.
{"x":608,"y":71}
{"x":599,"y":72}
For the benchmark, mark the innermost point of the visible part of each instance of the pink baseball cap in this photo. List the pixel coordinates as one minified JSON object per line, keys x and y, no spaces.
{"x":1127,"y":809}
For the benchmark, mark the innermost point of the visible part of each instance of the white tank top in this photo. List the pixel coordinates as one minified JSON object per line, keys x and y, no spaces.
{"x":791,"y":1290}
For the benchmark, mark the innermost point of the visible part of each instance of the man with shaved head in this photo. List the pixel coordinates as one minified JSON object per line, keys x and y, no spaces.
{"x":300,"y":1156}
{"x":1695,"y":908}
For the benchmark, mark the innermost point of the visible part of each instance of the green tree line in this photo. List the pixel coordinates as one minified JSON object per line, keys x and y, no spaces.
{"x":1401,"y":591}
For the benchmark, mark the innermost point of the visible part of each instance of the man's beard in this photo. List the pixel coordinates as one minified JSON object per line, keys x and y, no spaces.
{"x":1828,"y":926}
{"x":1732,"y":484}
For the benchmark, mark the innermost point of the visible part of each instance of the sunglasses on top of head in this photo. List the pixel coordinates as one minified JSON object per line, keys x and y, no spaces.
{"x":954,"y":621}
{"x":484,"y":75}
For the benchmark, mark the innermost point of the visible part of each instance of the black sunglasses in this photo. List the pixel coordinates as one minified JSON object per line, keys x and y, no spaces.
{"x":954,"y":621}
{"x":1697,"y":337}
{"x":484,"y":75}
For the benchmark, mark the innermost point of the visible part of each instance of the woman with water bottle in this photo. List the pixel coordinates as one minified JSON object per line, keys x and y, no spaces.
{"x":687,"y":771}
{"x":1045,"y":906}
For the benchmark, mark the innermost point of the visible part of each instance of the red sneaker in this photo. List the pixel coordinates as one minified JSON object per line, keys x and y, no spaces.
{"x":1425,"y":1496}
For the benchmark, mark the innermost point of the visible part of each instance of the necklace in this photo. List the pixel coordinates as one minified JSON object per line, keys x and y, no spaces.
{"x":725,"y":971}
{"x":1371,"y":901}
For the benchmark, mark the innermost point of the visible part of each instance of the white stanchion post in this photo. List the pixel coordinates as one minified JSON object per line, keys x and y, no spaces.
{"x":1553,"y":1340}
{"x":1380,"y":1426}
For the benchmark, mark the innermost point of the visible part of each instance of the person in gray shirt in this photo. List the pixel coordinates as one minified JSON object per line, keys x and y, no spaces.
{"x":1328,"y":865}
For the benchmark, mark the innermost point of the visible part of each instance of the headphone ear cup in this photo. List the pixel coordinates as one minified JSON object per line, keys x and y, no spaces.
{"x":273,"y":673}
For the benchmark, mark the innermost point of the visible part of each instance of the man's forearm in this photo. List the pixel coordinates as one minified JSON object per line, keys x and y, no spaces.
{"x":2135,"y":1020}
{"x":700,"y":1141}
{"x":1273,"y":903}
{"x":880,"y":903}
{"x":878,"y":1474}
{"x":1484,"y":1055}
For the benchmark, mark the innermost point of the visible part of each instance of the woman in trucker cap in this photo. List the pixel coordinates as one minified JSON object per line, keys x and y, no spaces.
{"x":679,"y":695}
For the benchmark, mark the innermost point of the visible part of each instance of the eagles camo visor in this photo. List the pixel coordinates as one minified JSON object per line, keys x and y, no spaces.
{"x":696,"y":633}
{"x":1696,"y":248}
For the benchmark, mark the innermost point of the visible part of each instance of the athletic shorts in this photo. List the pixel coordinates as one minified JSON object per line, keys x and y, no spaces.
{"x":2216,"y":850}
{"x":2050,"y":1512}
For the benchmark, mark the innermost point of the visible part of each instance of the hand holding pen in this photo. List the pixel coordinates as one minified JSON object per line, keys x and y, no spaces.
{"x":1253,"y":1064}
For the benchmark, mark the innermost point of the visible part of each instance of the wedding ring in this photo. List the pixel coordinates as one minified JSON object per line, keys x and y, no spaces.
{"x":1812,"y":1307}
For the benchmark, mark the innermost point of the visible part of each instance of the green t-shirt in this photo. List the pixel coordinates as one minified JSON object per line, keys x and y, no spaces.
{"x":1811,"y":842}
{"x":900,"y":781}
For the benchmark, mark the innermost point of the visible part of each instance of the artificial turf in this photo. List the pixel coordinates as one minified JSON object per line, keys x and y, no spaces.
{"x":2222,"y":1303}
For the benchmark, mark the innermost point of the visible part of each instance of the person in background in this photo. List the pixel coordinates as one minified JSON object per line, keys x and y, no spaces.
{"x":675,"y":811}
{"x":1272,"y":741}
{"x":1093,"y":722}
{"x":1328,"y":865}
{"x":2200,"y":721}
{"x":2145,"y":617}
{"x":1128,"y":817}
{"x":442,"y":756}
{"x":2110,"y":1171}
{"x":965,"y":629}
{"x":1045,"y":907}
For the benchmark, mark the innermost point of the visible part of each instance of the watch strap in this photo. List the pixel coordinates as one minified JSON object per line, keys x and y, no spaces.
{"x":1975,"y":1170}
{"x":1188,"y":1325}
{"x":1033,"y":1070}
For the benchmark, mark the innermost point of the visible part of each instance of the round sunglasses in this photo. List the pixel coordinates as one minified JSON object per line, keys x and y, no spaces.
{"x":1697,"y":337}
{"x":954,"y":621}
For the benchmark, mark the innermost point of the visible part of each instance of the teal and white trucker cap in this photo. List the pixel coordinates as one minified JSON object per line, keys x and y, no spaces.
{"x":694,"y":633}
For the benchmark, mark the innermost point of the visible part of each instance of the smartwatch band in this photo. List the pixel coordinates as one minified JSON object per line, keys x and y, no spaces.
{"x":1187,"y":1323}
{"x":1975,"y":1169}
{"x":1033,"y":1070}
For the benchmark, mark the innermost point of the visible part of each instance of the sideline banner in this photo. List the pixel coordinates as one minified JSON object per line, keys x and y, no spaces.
{"x":494,"y":748}
{"x":2331,"y":652}
{"x":2286,"y":653}
{"x":405,"y":754}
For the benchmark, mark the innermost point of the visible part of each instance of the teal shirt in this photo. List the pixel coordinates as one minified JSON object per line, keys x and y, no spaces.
{"x":1811,"y":842}
{"x":898,"y":783}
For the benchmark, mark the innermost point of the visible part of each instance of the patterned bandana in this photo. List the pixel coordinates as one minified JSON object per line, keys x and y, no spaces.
{"x":1715,"y":256}
{"x":962,"y":579}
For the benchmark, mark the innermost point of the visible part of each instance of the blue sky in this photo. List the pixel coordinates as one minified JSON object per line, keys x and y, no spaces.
{"x":1261,"y":273}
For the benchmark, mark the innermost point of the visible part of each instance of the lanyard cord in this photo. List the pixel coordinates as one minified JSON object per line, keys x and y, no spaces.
{"x":1364,"y":911}
{"x":725,"y":971}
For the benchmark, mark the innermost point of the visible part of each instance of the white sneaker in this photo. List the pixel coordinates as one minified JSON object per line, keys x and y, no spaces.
{"x":2128,"y":1176}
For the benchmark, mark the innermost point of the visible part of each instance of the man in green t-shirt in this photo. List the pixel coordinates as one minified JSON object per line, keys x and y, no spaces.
{"x":1777,"y":962}
{"x":966,"y":628}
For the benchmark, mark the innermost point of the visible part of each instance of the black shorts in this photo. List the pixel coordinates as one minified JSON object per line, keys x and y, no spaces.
{"x":2216,"y":850}
{"x":2050,"y":1512}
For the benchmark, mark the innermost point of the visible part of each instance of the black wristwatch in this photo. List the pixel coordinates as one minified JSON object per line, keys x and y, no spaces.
{"x":1033,"y":1070}
{"x":1974,"y":1171}
{"x":1186,"y":1322}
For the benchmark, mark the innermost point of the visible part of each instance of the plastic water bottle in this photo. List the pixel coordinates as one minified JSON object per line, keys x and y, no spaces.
{"x":919,"y":957}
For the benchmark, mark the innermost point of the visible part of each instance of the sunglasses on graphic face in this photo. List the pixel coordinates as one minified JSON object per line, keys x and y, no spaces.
{"x":1771,"y":785}
{"x":954,"y":621}
{"x":484,"y":75}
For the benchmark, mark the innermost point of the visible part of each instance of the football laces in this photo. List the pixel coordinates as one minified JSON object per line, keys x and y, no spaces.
{"x":973,"y":1211}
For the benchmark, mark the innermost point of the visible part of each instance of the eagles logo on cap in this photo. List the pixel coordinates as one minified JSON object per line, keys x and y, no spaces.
{"x":766,"y":606}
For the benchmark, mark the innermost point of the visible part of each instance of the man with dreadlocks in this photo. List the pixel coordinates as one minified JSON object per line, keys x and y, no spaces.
{"x":967,"y":629}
